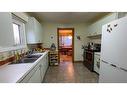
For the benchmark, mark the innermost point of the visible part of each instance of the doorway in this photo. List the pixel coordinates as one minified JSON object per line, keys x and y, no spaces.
{"x":65,"y":37}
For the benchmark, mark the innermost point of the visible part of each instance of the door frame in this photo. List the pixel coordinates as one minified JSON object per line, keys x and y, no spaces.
{"x":72,"y":42}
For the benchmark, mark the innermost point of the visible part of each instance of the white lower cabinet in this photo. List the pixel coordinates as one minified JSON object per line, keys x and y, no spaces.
{"x":44,"y":66}
{"x":36,"y":75}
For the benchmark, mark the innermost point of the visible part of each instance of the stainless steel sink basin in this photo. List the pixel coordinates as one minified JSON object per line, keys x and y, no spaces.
{"x":33,"y":56}
{"x":25,"y":60}
{"x":28,"y":60}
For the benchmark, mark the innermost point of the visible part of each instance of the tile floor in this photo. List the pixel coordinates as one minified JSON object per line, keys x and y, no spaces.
{"x":68,"y":72}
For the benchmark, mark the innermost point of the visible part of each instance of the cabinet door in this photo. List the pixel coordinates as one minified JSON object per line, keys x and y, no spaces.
{"x":42,"y":72}
{"x":6,"y":30}
{"x":36,"y":77}
{"x":38,"y":31}
{"x":30,"y":31}
{"x":34,"y":31}
{"x":43,"y":67}
{"x":47,"y":62}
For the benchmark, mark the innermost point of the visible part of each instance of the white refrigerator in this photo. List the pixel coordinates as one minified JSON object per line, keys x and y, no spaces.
{"x":113,"y":66}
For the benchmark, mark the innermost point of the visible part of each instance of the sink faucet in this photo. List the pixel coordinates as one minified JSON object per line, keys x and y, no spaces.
{"x":16,"y":55}
{"x":29,"y":52}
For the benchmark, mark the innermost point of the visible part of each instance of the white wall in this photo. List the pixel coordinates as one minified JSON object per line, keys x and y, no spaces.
{"x":50,"y":29}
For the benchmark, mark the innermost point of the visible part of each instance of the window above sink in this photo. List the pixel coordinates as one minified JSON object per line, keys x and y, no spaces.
{"x":12,"y":34}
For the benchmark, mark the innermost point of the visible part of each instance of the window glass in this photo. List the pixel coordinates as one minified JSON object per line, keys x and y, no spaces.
{"x":16,"y":30}
{"x":66,"y":41}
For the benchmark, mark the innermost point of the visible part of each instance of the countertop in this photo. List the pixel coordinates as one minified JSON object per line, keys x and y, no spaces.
{"x":16,"y":72}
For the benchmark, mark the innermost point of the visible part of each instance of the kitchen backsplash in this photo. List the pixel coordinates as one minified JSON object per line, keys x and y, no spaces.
{"x":95,"y":39}
{"x":9,"y":55}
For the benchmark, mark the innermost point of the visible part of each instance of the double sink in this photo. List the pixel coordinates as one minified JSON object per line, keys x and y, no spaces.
{"x":28,"y":59}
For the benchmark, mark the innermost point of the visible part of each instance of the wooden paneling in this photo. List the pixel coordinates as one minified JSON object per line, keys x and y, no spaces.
{"x":7,"y":60}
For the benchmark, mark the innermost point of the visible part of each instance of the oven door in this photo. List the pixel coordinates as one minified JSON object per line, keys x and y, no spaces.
{"x":88,"y":59}
{"x":89,"y":56}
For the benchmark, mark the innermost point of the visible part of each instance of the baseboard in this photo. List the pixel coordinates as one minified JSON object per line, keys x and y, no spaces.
{"x":78,"y":61}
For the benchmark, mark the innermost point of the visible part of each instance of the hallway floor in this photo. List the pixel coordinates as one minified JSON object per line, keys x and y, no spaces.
{"x":65,"y":58}
{"x":67,"y":72}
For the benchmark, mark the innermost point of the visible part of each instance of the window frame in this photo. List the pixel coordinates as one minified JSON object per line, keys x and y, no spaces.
{"x":22,"y":35}
{"x":19,"y":28}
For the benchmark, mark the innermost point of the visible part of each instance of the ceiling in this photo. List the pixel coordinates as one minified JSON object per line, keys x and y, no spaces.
{"x":68,"y":17}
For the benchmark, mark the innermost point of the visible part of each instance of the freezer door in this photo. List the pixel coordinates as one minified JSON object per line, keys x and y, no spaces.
{"x":114,"y":42}
{"x":110,"y":74}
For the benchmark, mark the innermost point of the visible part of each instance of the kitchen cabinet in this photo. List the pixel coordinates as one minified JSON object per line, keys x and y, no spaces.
{"x":36,"y":75}
{"x":44,"y":66}
{"x":33,"y":31}
{"x":95,"y":28}
{"x":33,"y":76}
{"x":6,"y":30}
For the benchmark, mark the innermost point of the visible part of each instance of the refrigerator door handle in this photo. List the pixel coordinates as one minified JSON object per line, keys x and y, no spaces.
{"x":104,"y":61}
{"x":113,"y":65}
{"x":123,"y":69}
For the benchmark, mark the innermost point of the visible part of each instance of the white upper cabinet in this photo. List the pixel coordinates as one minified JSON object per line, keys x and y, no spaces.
{"x":96,"y":27}
{"x":6,"y":30}
{"x":33,"y":31}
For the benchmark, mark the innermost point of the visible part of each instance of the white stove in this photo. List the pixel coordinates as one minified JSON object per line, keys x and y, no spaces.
{"x":97,"y":62}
